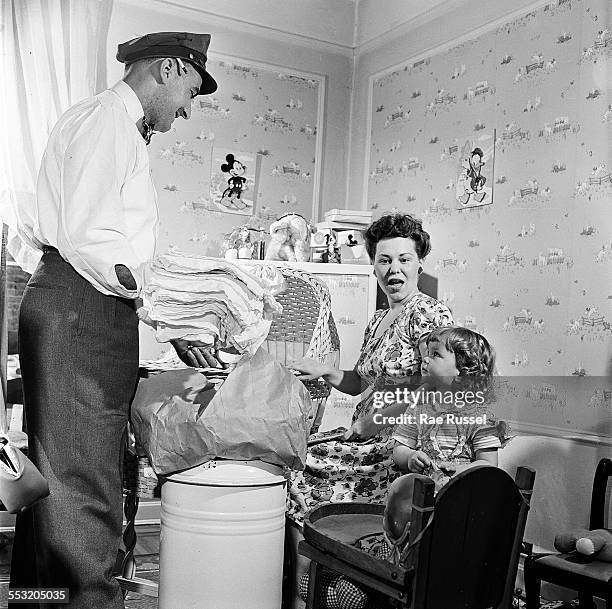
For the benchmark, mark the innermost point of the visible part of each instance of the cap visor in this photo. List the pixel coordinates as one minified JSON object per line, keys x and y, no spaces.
{"x":209,"y":84}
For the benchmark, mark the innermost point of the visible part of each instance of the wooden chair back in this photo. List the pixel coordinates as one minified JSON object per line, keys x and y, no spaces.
{"x":598,"y":496}
{"x":468,"y":551}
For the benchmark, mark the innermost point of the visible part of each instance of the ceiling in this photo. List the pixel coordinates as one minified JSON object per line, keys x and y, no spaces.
{"x":348,"y":26}
{"x":377,"y":18}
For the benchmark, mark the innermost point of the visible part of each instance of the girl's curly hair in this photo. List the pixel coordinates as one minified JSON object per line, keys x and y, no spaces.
{"x":397,"y":225}
{"x":474,"y":356}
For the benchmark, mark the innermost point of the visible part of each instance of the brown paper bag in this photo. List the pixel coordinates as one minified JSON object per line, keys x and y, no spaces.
{"x":260,"y":412}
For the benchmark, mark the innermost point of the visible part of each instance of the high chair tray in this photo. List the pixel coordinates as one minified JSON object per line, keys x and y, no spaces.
{"x":334,"y":528}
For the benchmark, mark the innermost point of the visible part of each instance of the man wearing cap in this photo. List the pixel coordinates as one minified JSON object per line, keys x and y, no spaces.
{"x":95,"y":219}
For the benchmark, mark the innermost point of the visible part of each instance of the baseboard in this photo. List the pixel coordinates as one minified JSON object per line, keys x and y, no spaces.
{"x":7,"y":522}
{"x":148,"y":511}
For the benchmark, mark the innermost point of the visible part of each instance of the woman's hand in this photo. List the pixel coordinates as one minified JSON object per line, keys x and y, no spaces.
{"x":309,"y":369}
{"x":361,"y":430}
{"x":346,"y":381}
{"x":197,"y":354}
{"x":418,"y":462}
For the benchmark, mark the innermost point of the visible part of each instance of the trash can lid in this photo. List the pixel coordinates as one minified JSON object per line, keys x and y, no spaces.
{"x":231,"y":473}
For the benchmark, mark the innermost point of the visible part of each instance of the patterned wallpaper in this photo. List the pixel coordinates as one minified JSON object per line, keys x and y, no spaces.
{"x":532,"y":270}
{"x":268,"y":119}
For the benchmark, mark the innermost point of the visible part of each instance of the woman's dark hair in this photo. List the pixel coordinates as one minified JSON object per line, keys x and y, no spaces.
{"x":397,"y":225}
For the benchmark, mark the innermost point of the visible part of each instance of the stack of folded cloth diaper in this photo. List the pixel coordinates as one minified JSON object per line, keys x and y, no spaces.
{"x":198,"y":298}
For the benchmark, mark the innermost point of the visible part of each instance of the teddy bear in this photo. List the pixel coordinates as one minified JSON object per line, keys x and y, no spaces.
{"x":289,"y":239}
{"x":596,"y":543}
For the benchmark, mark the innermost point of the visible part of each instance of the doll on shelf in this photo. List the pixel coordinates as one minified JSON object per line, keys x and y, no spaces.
{"x":331,"y":254}
{"x":238,"y":244}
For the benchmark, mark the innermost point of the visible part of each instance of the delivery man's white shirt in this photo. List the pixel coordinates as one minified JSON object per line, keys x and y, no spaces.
{"x":96,"y":202}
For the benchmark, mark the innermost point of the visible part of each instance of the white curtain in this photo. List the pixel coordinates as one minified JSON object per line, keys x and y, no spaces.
{"x":52,"y":54}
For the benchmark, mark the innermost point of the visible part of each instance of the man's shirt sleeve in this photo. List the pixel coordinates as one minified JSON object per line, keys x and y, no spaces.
{"x":91,"y":228}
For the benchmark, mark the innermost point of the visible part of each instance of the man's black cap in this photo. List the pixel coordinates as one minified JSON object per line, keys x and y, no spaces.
{"x":187,"y":46}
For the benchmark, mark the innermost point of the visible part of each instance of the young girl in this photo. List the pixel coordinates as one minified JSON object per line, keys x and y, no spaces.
{"x":451,"y":428}
{"x":457,"y":368}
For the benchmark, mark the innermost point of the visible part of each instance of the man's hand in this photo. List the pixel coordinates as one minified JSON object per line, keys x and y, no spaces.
{"x":197,"y":354}
{"x":125,"y":277}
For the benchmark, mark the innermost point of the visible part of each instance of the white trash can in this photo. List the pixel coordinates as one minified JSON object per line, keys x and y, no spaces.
{"x":222,"y":537}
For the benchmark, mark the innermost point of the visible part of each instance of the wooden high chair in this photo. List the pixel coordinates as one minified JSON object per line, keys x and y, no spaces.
{"x":588,"y":576}
{"x":306,"y":328}
{"x":465,"y":544}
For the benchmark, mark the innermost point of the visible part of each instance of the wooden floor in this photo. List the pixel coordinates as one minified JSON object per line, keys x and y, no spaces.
{"x":147,"y":558}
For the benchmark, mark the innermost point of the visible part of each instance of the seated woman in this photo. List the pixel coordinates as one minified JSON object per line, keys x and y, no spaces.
{"x":361,"y":467}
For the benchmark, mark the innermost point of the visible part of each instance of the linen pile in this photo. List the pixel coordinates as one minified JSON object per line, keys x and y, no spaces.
{"x":198,"y":298}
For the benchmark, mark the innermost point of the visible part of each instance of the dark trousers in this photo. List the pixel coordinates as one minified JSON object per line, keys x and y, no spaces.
{"x":79,"y":363}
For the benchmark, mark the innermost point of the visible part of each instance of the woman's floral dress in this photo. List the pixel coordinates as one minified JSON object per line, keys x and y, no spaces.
{"x":363,"y":471}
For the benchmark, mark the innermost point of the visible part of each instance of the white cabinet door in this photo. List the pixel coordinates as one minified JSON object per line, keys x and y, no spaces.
{"x":350,"y":297}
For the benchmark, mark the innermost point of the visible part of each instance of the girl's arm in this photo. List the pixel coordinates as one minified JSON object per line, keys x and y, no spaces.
{"x":409,"y":459}
{"x":488,"y":455}
{"x":401,"y":455}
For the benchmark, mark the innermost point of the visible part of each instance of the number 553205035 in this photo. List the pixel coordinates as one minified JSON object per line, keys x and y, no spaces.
{"x":28,"y":595}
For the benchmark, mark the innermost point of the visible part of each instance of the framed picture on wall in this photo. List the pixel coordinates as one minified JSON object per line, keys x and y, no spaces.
{"x":234,"y":179}
{"x":475,"y":171}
